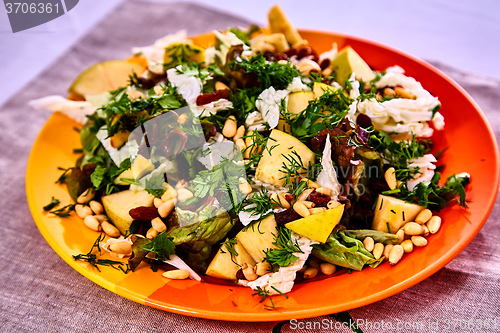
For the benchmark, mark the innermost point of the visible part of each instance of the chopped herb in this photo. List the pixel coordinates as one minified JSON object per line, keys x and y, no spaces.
{"x":431,"y":195}
{"x":388,"y":227}
{"x":162,"y":246}
{"x":268,"y":74}
{"x":64,"y":211}
{"x":229,"y":245}
{"x":62,"y":178}
{"x":400,"y":154}
{"x":53,"y":202}
{"x":92,"y":259}
{"x":283,"y":254}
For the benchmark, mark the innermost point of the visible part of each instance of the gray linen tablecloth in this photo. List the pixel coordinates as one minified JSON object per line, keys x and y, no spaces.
{"x":40,"y":292}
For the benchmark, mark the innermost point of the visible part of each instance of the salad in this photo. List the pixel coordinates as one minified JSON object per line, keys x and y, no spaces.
{"x":254,"y":160}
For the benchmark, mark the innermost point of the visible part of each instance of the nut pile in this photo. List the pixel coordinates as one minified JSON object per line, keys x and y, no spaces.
{"x":412,"y":234}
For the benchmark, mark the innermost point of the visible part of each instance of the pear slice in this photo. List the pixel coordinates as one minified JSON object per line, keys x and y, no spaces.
{"x":258,"y":237}
{"x":393,"y":212}
{"x":104,"y":76}
{"x":279,"y":23}
{"x":297,"y":102}
{"x":347,"y":61}
{"x":225,"y":265}
{"x":117,"y":206}
{"x":281,"y":147}
{"x":318,"y":226}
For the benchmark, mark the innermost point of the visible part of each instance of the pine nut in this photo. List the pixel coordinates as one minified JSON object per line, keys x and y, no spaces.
{"x":83,"y":211}
{"x":158,"y":225}
{"x":229,"y":129}
{"x":303,"y":269}
{"x":280,"y":200}
{"x":239,"y":133}
{"x":332,"y":204}
{"x":418,"y":241}
{"x":407,"y":246}
{"x":327,"y":269}
{"x":305,"y":194}
{"x":110,"y":229}
{"x":249,"y":272}
{"x":176,"y":274}
{"x":158,"y":90}
{"x":390,"y":178}
{"x":244,"y":186}
{"x":434,"y":224}
{"x":426,"y":232}
{"x":324,"y":190}
{"x":166,"y":208}
{"x":310,"y":183}
{"x":184,"y":194}
{"x":121,"y":248}
{"x":310,"y":273}
{"x":308,"y":204}
{"x":396,"y":254}
{"x":181,"y":184}
{"x":317,"y":210}
{"x":369,"y":244}
{"x":91,"y":222}
{"x":262,"y":268}
{"x":256,"y":149}
{"x":301,"y":209}
{"x":388,"y":92}
{"x":96,"y":207}
{"x":182,"y":118}
{"x":403,"y":93}
{"x":423,"y":216}
{"x":86,"y":196}
{"x":134,"y":94}
{"x":401,"y":235}
{"x":413,"y":229}
{"x":387,"y":251}
{"x":170,"y":192}
{"x":221,"y":86}
{"x":157,"y":202}
{"x":151,"y":233}
{"x":242,"y":145}
{"x":101,"y":217}
{"x":378,"y":250}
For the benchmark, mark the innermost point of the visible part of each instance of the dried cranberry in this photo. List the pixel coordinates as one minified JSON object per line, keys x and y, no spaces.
{"x":286,"y":216}
{"x":143,"y":213}
{"x":319,"y":199}
{"x":324,"y":64}
{"x":363,"y":121}
{"x":207,"y":98}
{"x":280,"y":56}
{"x":226,"y":94}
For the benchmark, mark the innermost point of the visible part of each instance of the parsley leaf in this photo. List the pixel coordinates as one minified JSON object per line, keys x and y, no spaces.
{"x":162,"y":246}
{"x":434,"y":196}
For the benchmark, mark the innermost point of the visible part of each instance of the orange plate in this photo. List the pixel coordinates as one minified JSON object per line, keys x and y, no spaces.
{"x":479,"y":157}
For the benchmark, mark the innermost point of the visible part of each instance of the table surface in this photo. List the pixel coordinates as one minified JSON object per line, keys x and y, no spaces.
{"x":40,"y":291}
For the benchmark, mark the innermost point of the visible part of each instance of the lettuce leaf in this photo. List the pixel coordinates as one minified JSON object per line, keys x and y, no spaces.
{"x":345,"y":251}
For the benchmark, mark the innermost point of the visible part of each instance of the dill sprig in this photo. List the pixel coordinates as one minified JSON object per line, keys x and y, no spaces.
{"x":400,"y":154}
{"x":229,"y":245}
{"x":292,"y":168}
{"x":268,"y":73}
{"x":283,"y":253}
{"x":92,"y":259}
{"x":64,"y":211}
{"x":53,"y":202}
